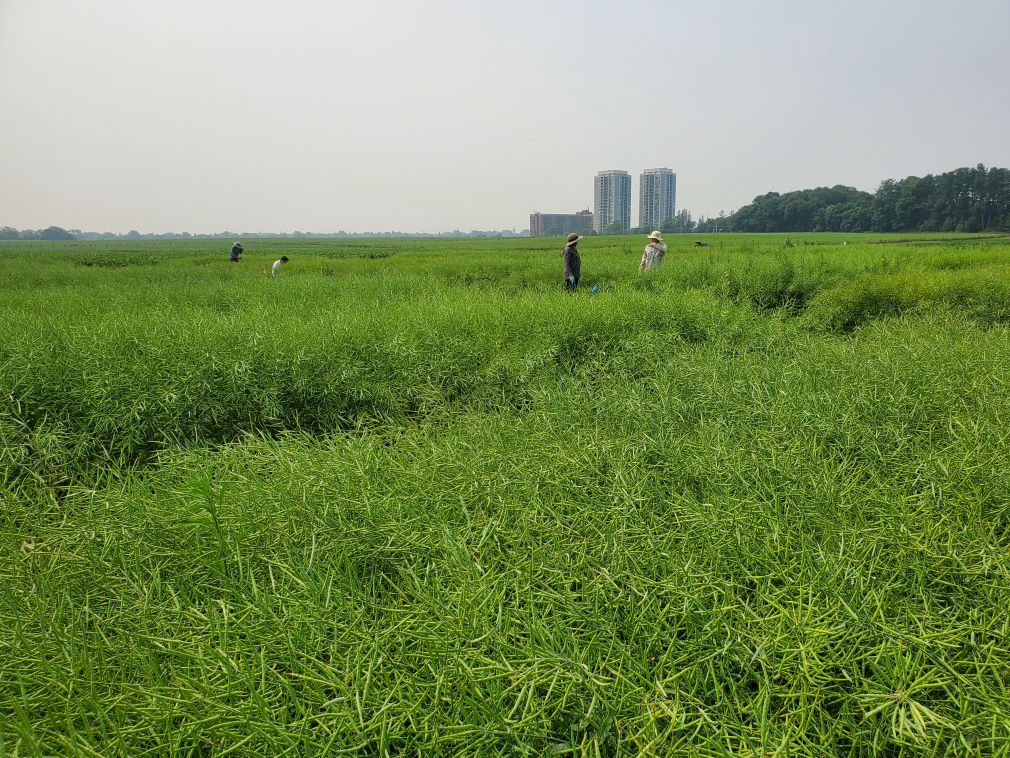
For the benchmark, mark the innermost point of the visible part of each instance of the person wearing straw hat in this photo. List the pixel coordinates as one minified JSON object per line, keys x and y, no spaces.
{"x":236,"y":253}
{"x":573,"y":263}
{"x":654,"y":253}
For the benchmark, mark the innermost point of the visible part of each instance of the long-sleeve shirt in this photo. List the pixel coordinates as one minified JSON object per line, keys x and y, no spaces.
{"x":573,"y":263}
{"x":653,"y":256}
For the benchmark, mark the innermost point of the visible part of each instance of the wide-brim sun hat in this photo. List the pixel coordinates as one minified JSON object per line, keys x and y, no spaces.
{"x":656,"y":236}
{"x":573,"y":238}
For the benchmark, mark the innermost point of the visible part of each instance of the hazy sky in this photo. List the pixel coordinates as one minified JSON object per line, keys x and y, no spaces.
{"x":277,"y":115}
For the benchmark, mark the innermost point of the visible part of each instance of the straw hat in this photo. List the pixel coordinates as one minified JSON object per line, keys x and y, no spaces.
{"x":656,"y":236}
{"x":573,"y":238}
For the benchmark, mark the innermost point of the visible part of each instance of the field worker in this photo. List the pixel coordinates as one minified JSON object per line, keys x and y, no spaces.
{"x":236,"y":253}
{"x":573,"y":263}
{"x":277,"y":265}
{"x":654,"y":252}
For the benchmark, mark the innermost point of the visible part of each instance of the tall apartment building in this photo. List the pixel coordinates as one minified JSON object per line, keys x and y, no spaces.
{"x":657,"y":198}
{"x":560,"y":224}
{"x":612,"y":199}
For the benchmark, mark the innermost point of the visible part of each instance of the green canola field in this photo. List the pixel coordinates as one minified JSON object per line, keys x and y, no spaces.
{"x":410,"y":498}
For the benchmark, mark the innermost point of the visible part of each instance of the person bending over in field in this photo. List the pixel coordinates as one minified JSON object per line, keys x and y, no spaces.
{"x":573,"y":263}
{"x":654,"y":253}
{"x":236,"y":253}
{"x":277,"y":265}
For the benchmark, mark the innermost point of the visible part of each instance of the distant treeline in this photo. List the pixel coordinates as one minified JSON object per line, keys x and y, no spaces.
{"x":58,"y":233}
{"x":965,"y":200}
{"x":50,"y":233}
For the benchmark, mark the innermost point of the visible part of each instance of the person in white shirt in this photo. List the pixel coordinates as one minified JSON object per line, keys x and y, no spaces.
{"x":654,"y":252}
{"x":277,"y":265}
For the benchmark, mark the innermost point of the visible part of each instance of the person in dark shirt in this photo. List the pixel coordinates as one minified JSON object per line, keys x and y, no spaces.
{"x":236,"y":253}
{"x":573,"y":263}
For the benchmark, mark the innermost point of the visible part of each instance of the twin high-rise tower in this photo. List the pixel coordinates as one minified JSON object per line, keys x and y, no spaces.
{"x":657,"y":199}
{"x":611,"y":200}
{"x":657,"y":204}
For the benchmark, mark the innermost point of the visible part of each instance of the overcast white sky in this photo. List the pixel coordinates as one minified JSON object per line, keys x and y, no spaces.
{"x":428,"y":115}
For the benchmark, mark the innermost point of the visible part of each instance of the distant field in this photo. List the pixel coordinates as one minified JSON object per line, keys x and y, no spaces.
{"x":411,"y":498}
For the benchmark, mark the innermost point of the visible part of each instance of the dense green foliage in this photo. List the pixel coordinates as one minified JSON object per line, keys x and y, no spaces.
{"x":839,"y":208}
{"x":49,"y":234}
{"x":410,"y":498}
{"x":966,"y":200}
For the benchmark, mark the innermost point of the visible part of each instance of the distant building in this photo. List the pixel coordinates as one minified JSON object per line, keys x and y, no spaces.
{"x":560,"y":224}
{"x":612,"y":199}
{"x":657,"y":198}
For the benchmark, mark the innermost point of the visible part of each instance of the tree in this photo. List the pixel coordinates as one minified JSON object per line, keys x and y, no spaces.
{"x":614,"y":227}
{"x":9,"y":233}
{"x":55,"y":233}
{"x":966,"y":200}
{"x":819,"y":209}
{"x":682,"y":222}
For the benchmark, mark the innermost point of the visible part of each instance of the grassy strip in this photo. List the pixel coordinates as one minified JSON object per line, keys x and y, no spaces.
{"x":720,"y":557}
